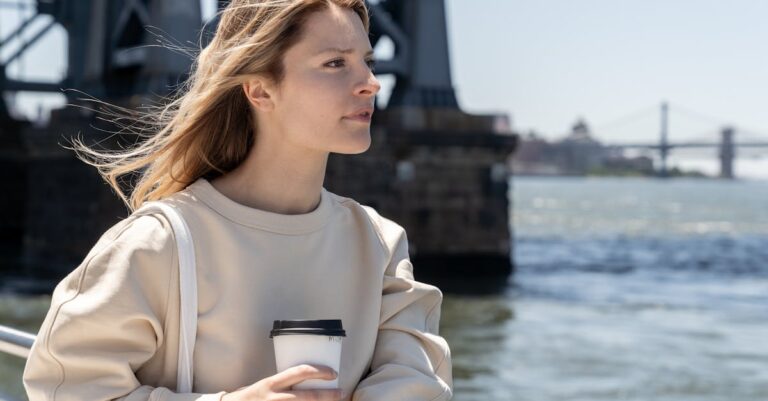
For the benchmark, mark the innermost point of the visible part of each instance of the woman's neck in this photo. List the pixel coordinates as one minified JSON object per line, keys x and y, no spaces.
{"x":277,"y":182}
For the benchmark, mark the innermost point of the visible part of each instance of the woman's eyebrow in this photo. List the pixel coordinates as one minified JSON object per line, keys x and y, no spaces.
{"x":339,"y":50}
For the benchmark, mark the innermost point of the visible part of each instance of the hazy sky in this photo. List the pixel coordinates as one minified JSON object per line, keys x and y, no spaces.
{"x":548,"y":62}
{"x":612,"y":62}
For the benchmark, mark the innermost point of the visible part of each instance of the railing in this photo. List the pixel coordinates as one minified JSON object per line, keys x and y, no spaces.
{"x":14,"y":342}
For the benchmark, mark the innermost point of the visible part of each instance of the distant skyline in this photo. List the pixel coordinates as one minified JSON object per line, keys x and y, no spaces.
{"x":548,"y":63}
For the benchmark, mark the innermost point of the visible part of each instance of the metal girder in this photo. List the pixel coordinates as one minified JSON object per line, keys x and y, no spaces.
{"x":112,"y":54}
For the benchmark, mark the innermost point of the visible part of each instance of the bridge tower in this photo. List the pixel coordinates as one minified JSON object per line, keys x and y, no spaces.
{"x":727,"y":153}
{"x":663,"y":143}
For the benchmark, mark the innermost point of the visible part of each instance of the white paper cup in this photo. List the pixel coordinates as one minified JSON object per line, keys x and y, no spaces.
{"x":316,"y":342}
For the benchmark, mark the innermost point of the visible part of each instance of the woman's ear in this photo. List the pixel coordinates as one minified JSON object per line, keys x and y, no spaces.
{"x":259,"y":94}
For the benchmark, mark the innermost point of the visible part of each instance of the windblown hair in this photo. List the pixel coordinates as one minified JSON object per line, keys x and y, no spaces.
{"x":207,"y":129}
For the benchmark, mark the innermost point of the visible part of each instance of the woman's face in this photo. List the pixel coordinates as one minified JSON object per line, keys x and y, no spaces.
{"x":321,"y":87}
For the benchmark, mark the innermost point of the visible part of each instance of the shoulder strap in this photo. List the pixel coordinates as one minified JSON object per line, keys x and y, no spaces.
{"x":187,"y":289}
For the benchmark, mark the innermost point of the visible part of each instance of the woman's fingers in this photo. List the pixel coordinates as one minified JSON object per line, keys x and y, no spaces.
{"x":297,"y":374}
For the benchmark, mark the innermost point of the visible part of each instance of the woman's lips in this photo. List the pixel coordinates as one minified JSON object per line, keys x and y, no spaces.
{"x":361,"y":118}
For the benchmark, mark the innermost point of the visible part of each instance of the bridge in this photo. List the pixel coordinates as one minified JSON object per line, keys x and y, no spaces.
{"x":723,"y":140}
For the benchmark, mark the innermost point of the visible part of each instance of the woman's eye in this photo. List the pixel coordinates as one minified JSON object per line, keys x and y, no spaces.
{"x":371,"y":64}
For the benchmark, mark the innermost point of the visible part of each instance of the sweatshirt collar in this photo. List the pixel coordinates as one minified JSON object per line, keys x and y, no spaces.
{"x":262,"y":219}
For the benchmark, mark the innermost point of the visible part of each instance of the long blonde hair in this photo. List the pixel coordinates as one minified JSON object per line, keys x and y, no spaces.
{"x":208,"y":128}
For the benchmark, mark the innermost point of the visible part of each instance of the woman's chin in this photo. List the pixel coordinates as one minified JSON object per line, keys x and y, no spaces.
{"x":356,"y":145}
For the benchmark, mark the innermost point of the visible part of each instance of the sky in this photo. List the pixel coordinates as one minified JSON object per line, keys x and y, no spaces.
{"x":613,"y":62}
{"x":547,"y":63}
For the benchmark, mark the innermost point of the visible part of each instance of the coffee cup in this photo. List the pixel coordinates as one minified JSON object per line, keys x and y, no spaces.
{"x":316,"y":342}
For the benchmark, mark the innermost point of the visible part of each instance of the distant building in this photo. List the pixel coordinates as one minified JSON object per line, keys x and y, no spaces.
{"x":534,"y":157}
{"x":578,"y":153}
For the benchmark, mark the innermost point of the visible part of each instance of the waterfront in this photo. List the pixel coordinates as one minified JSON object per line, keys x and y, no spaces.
{"x":626,"y":289}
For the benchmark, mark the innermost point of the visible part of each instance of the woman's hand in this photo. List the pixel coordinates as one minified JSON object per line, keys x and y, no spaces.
{"x":277,"y":387}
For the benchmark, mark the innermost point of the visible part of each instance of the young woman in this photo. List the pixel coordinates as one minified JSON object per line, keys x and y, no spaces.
{"x":242,"y":155}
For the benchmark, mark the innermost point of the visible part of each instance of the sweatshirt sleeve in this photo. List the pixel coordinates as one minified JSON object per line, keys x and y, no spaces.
{"x":411,"y":362}
{"x":106,"y":320}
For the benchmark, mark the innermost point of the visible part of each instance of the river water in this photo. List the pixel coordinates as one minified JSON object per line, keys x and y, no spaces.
{"x":626,"y":289}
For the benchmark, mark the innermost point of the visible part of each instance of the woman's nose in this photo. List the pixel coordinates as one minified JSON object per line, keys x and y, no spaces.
{"x":371,"y":84}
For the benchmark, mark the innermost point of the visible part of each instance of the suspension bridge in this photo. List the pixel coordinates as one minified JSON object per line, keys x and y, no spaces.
{"x":719,"y":136}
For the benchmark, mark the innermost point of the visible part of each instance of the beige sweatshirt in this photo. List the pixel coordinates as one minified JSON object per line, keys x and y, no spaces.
{"x":113,"y":326}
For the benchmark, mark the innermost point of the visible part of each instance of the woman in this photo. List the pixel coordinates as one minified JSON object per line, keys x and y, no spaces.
{"x":242,"y":154}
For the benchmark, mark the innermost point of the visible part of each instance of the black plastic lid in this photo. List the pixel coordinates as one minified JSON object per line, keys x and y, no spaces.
{"x":330,"y":327}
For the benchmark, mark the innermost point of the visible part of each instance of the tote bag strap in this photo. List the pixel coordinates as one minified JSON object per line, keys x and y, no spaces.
{"x":187,"y":289}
